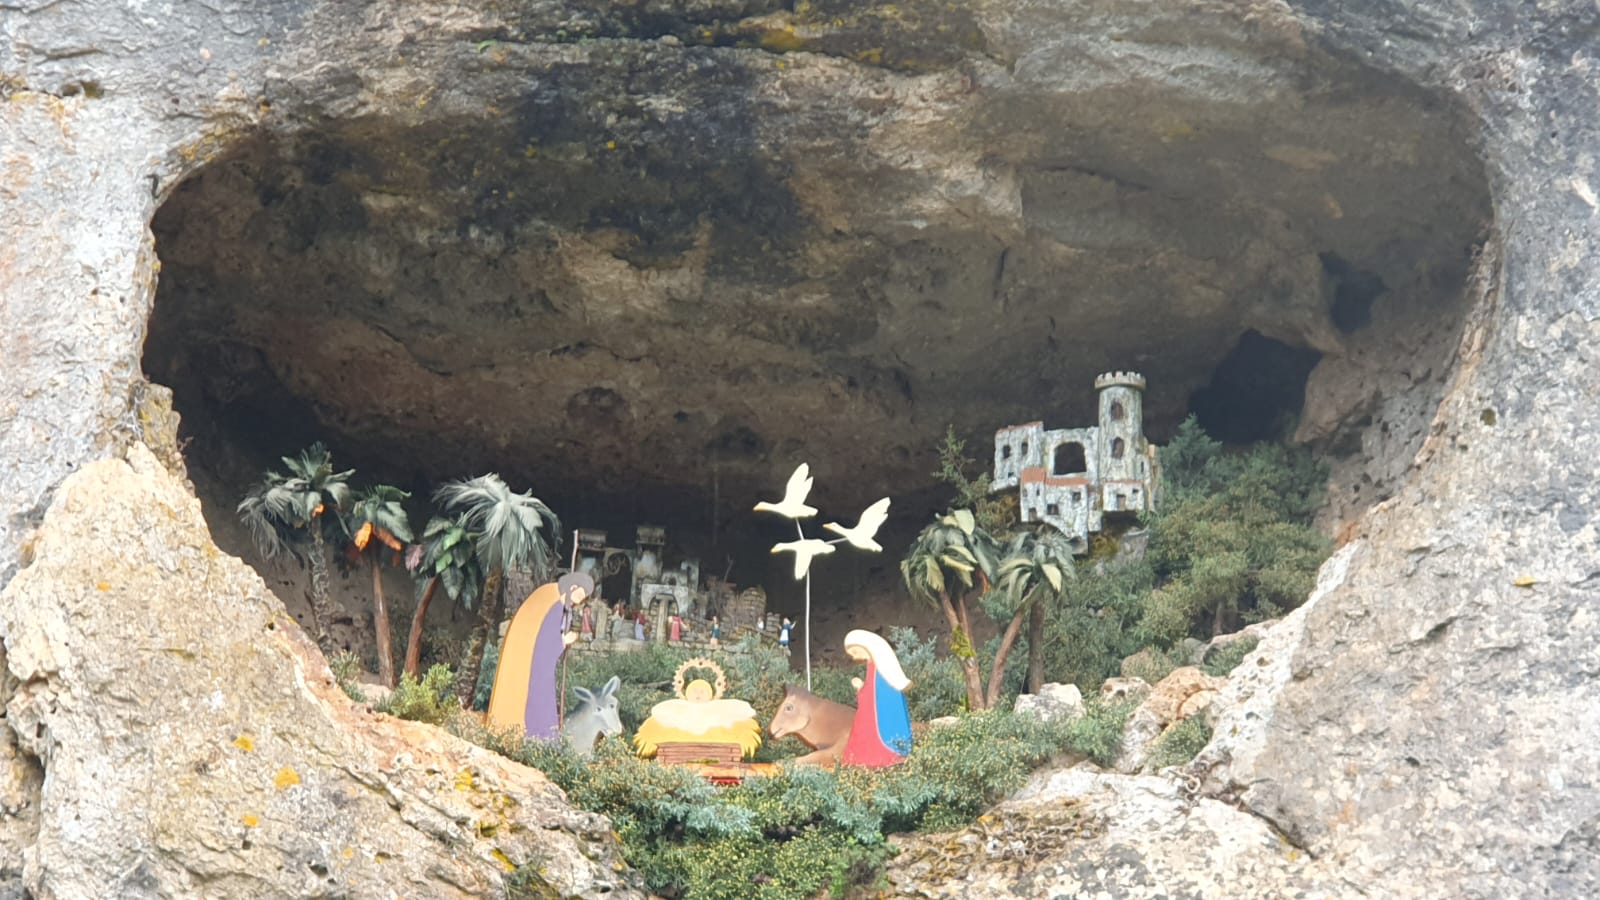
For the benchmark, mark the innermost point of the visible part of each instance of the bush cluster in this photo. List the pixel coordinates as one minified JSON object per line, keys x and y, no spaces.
{"x":1231,"y":543}
{"x":804,"y":829}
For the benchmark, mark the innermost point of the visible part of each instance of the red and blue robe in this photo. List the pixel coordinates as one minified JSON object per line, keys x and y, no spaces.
{"x":881,"y":734}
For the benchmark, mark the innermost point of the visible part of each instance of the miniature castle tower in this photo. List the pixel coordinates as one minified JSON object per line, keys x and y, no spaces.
{"x":1124,"y":472}
{"x":1070,"y":478}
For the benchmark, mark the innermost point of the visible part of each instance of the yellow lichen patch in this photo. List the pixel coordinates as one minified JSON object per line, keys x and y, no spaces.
{"x":502,"y":859}
{"x":285,"y":778}
{"x":102,"y":585}
{"x":249,"y":820}
{"x":348,"y":853}
{"x":245,"y":742}
{"x":781,"y":40}
{"x":464,"y":780}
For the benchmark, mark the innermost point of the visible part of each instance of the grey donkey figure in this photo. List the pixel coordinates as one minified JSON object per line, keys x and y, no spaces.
{"x":594,"y":718}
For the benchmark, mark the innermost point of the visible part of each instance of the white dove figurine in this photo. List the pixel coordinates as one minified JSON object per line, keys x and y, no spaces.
{"x":803,"y":551}
{"x":793,"y":504}
{"x":871,"y":520}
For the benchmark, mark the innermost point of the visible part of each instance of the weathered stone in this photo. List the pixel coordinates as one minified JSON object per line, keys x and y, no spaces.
{"x":193,"y":741}
{"x":1079,"y":833}
{"x":1124,"y":690}
{"x":1053,"y":702}
{"x":858,"y":231}
{"x":1184,"y":692}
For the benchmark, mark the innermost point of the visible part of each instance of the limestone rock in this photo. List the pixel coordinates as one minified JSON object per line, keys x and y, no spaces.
{"x":1053,"y":702}
{"x":1124,"y":690}
{"x":155,"y":674}
{"x":1079,"y":833}
{"x":1183,"y":693}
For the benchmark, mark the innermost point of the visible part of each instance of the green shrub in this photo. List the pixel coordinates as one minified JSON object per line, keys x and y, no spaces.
{"x":1227,"y":657}
{"x":346,"y":668}
{"x":1180,"y":744}
{"x":937,"y":685}
{"x":806,"y":829}
{"x":1098,"y":733}
{"x":1151,"y":665}
{"x":431,"y":700}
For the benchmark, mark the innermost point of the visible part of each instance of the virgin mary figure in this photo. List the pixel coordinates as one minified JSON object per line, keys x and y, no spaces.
{"x":881,"y":734}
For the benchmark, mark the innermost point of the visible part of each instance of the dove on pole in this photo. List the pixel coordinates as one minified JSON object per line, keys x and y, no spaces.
{"x":871,"y":520}
{"x":803,"y":550}
{"x":793,"y":503}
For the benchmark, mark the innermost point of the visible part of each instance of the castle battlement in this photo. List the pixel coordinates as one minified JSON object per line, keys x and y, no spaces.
{"x":1119,"y":379}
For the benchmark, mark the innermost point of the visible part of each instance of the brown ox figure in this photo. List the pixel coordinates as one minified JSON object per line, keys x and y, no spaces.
{"x":822,"y":724}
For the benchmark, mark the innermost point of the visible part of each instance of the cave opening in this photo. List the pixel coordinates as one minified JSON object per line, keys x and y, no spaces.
{"x":647,"y":317}
{"x":1256,"y":392}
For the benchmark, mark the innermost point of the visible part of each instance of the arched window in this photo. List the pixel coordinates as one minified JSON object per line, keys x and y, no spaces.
{"x":1069,"y":459}
{"x":1117,"y":411}
{"x":1118,"y":447}
{"x":1024,"y":449}
{"x":1005,"y":451}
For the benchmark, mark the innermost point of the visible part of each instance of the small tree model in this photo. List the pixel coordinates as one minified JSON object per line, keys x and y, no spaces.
{"x":448,"y":558}
{"x":285,"y":514}
{"x":511,"y":529}
{"x":939,"y":570}
{"x":793,"y":506}
{"x":1033,"y":576}
{"x":378,"y":527}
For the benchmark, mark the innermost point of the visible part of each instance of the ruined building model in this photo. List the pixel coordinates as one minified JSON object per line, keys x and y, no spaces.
{"x":1072,"y":478}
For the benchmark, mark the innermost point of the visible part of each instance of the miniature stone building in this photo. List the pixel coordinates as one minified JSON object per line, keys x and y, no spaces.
{"x":1072,"y":478}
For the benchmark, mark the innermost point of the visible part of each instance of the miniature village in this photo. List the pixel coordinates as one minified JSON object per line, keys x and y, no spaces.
{"x":628,"y":664}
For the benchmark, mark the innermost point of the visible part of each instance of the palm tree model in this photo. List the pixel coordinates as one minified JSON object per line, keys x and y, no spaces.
{"x":448,"y":558}
{"x":285,"y":513}
{"x":1033,"y":577}
{"x":511,"y":529}
{"x":377,"y":523}
{"x":939,"y":570}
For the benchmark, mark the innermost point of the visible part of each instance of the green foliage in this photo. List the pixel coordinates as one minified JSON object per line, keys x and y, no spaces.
{"x":281,"y":511}
{"x":995,"y":514}
{"x":486,"y":672}
{"x":805,"y":829}
{"x":1233,"y":540}
{"x":380,"y":507}
{"x":429,"y":700}
{"x":449,"y":553}
{"x":945,"y":557}
{"x":346,"y":667}
{"x":1151,"y":664}
{"x":1087,"y":638}
{"x":937,"y":688}
{"x":512,"y":529}
{"x":1180,"y":744}
{"x":1227,"y":657}
{"x":1098,"y":733}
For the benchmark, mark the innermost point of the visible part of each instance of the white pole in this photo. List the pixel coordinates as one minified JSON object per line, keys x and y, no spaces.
{"x":802,"y":534}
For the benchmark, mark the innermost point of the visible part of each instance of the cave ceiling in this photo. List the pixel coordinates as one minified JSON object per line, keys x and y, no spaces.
{"x":641,"y":255}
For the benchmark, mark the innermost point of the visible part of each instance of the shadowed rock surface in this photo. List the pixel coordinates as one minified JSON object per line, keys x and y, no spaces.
{"x":197,"y":745}
{"x":529,"y":236}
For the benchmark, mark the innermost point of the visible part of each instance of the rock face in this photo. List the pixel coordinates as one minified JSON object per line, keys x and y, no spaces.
{"x":1080,"y":833}
{"x":194,"y":743}
{"x":1185,"y":692}
{"x":937,"y":213}
{"x":1053,"y":702}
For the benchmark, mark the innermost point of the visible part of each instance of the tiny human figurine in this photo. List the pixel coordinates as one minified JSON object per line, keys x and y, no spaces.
{"x":638,"y":626}
{"x":783,"y":633}
{"x":881,"y":733}
{"x":588,"y":623}
{"x":716,"y":632}
{"x":676,"y":626}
